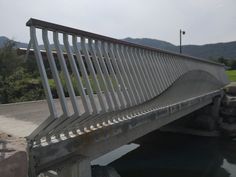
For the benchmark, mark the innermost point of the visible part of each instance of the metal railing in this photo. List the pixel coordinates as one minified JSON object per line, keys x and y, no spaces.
{"x":115,"y":79}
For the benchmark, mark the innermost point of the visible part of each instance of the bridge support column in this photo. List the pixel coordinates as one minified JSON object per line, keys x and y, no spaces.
{"x":79,"y":168}
{"x":215,"y":108}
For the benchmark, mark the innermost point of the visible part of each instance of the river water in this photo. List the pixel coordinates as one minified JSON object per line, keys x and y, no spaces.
{"x":174,"y":155}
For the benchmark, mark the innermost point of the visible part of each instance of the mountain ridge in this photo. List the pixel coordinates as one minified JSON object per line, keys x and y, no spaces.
{"x":206,"y":51}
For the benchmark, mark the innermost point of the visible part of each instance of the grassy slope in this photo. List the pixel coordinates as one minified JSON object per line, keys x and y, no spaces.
{"x":232,"y":75}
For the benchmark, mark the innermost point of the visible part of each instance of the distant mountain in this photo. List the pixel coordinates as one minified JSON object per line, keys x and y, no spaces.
{"x":226,"y":50}
{"x":4,"y":39}
{"x":152,"y":43}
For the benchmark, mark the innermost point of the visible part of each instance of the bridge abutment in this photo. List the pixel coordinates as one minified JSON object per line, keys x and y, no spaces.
{"x":78,"y":168}
{"x":215,"y":108}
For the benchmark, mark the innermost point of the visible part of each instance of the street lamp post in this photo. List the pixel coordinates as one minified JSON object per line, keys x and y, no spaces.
{"x":180,"y":40}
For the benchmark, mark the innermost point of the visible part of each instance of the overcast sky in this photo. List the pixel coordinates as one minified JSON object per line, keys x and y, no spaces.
{"x":205,"y":21}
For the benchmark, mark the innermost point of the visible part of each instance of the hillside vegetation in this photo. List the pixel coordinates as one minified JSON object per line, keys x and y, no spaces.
{"x":19,"y":78}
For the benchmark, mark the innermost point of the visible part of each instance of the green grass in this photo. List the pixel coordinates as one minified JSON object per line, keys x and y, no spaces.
{"x":232,"y":75}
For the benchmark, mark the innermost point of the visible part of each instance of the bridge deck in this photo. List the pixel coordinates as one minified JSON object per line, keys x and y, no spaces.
{"x":29,"y":115}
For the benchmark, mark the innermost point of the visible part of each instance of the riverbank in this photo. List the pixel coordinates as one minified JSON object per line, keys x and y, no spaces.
{"x":228,"y":111}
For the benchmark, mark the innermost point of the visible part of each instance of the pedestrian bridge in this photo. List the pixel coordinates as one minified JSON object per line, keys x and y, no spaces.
{"x":108,"y":93}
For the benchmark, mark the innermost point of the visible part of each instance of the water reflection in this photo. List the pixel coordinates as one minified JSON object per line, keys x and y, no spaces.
{"x":177,"y":155}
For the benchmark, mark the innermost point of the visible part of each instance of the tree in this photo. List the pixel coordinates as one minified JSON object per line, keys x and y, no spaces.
{"x":223,"y":61}
{"x":233,"y":64}
{"x":9,"y":60}
{"x":19,"y":78}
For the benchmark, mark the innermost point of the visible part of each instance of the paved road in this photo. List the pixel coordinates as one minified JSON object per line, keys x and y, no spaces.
{"x":20,"y":119}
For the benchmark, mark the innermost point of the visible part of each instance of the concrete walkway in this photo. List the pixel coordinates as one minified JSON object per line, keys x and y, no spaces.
{"x":20,"y":119}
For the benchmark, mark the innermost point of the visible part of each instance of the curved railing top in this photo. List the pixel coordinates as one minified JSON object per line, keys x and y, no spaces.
{"x":64,"y":29}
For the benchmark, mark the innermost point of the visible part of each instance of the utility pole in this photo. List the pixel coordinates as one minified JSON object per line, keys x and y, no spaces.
{"x":180,"y":40}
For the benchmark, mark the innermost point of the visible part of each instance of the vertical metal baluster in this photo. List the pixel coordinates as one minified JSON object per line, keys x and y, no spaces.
{"x":177,"y":63}
{"x":116,"y":102}
{"x":173,"y":68}
{"x":113,"y":75}
{"x":163,"y":69}
{"x":87,"y":107}
{"x":155,"y":75}
{"x":149,"y":71}
{"x":119,"y":75}
{"x":166,"y":73}
{"x":181,"y":65}
{"x":55,"y":74}
{"x":166,"y":69}
{"x":66,"y":74}
{"x":129,"y":67}
{"x":168,"y":65}
{"x":84,"y":75}
{"x":158,"y":82}
{"x":158,"y":70}
{"x":92,"y":72}
{"x":176,"y":66}
{"x":100,"y":74}
{"x":145,"y":60}
{"x":143,"y":77}
{"x":135,"y":73}
{"x":123,"y":61}
{"x":63,"y":102}
{"x":35,"y":135}
{"x":124,"y":73}
{"x":43,"y":74}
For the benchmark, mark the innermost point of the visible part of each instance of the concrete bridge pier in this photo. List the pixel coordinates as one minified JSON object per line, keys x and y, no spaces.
{"x":215,"y":108}
{"x":76,"y":168}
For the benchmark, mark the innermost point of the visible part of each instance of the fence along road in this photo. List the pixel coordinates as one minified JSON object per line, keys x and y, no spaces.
{"x":115,"y":81}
